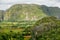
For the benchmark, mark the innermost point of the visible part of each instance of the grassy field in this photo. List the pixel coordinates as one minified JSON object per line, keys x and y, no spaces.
{"x":16,"y":27}
{"x":16,"y":30}
{"x":8,"y":30}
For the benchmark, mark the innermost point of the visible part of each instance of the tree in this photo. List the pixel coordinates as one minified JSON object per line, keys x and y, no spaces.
{"x":45,"y":29}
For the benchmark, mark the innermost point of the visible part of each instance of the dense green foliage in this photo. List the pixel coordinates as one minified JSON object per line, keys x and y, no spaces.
{"x":47,"y":28}
{"x":11,"y":36}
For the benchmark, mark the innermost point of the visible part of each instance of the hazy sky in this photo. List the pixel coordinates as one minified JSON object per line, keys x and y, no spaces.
{"x":5,"y":4}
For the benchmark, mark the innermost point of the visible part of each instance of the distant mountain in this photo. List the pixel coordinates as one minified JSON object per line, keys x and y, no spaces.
{"x":51,"y":11}
{"x":1,"y":15}
{"x":20,"y":12}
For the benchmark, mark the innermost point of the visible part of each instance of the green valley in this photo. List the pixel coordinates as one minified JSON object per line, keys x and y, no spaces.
{"x":30,"y":22}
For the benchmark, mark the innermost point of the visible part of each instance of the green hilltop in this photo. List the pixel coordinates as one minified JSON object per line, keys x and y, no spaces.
{"x":20,"y":12}
{"x":28,"y":12}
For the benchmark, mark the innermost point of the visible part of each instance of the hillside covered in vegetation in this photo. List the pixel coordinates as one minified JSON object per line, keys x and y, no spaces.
{"x":20,"y":12}
{"x":30,"y":22}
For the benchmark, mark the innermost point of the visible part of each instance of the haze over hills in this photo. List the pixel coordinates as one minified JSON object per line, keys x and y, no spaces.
{"x":51,"y":11}
{"x":20,"y":12}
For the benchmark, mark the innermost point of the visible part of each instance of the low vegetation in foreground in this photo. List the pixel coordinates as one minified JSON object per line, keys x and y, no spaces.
{"x":47,"y":28}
